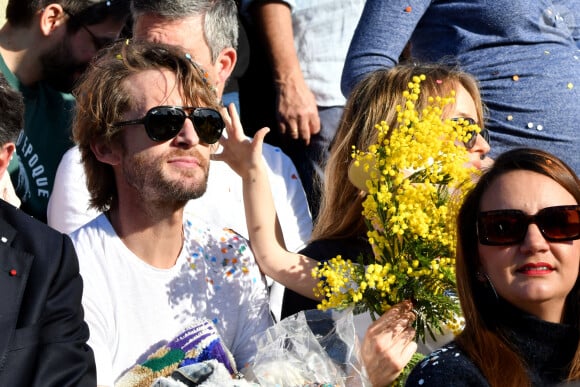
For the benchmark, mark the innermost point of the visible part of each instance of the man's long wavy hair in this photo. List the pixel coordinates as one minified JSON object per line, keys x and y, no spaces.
{"x":102,"y":99}
{"x":373,"y":100}
{"x":481,"y":339}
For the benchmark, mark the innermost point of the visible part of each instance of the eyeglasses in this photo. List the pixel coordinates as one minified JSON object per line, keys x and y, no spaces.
{"x":468,"y":122}
{"x":509,"y":227}
{"x":98,"y":42}
{"x":163,"y":123}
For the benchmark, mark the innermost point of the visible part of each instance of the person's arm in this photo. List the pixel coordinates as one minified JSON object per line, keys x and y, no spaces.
{"x":245,"y":157}
{"x":64,"y":356}
{"x":574,"y":9}
{"x":289,"y":198}
{"x":388,"y":344}
{"x":380,"y":38}
{"x":297,"y":109}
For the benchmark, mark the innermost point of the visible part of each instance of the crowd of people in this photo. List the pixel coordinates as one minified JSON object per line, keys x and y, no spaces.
{"x":144,"y":207}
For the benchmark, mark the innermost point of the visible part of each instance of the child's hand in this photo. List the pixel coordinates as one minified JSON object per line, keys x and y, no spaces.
{"x":240,"y":152}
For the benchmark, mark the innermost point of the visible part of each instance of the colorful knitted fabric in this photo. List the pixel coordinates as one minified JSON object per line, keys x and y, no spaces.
{"x":198,"y":343}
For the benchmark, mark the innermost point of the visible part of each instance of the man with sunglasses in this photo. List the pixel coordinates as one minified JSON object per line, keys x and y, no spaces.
{"x":207,"y":30}
{"x":147,"y":122}
{"x":45,"y":46}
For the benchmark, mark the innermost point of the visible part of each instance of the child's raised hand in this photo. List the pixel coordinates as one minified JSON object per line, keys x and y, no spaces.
{"x":240,"y":152}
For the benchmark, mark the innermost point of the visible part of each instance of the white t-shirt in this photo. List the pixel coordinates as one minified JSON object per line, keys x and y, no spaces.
{"x":133,"y":308}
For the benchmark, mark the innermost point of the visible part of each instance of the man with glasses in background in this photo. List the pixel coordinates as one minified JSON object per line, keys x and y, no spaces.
{"x":147,"y":122}
{"x":45,"y":46}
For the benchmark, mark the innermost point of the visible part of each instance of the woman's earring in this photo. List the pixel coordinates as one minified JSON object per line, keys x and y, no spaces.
{"x":483,"y":277}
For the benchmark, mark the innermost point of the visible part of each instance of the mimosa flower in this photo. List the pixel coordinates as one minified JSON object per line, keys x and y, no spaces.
{"x":415,"y":176}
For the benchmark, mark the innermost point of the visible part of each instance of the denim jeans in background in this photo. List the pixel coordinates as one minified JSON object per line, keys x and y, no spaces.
{"x":310,"y":160}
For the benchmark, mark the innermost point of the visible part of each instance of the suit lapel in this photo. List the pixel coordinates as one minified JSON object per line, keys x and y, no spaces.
{"x":14,"y":269}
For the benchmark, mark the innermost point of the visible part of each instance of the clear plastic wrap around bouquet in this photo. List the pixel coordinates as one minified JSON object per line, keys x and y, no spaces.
{"x":415,"y":177}
{"x":308,"y":349}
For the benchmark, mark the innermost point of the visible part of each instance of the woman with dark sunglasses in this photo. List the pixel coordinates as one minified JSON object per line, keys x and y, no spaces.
{"x":517,"y":277}
{"x":340,"y":227}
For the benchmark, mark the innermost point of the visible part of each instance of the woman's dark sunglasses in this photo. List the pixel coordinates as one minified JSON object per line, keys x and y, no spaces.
{"x":468,"y":122}
{"x":163,"y":123}
{"x":509,"y":227}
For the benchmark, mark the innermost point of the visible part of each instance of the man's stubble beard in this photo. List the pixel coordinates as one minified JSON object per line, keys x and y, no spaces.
{"x":59,"y":66}
{"x":147,"y":178}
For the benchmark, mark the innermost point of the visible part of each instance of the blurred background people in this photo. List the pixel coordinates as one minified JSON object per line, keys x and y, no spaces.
{"x":44,"y":48}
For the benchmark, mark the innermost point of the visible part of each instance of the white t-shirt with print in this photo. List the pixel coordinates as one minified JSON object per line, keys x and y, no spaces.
{"x":133,"y":308}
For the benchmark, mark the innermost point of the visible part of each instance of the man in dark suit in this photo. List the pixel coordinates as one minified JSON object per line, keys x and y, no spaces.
{"x":43,"y":335}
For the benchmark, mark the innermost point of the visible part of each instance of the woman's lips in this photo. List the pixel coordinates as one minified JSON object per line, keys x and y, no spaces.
{"x":539,"y":268}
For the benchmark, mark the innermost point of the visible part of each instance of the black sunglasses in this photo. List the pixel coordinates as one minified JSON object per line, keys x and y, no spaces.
{"x":468,"y":122}
{"x":163,"y":123}
{"x":509,"y":227}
